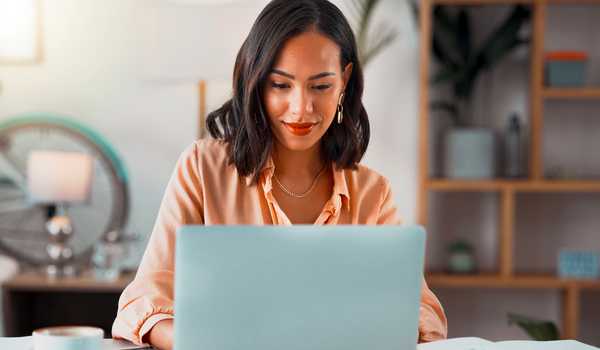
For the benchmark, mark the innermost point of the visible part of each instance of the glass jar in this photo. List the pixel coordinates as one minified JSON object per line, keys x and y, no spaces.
{"x":109,"y":255}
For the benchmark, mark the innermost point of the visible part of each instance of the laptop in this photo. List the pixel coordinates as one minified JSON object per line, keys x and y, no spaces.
{"x":298,"y":287}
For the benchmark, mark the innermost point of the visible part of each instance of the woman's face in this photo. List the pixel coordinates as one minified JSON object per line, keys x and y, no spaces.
{"x":302,"y":90}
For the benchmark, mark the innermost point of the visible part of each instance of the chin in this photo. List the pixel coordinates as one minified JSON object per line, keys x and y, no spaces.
{"x":299,"y":145}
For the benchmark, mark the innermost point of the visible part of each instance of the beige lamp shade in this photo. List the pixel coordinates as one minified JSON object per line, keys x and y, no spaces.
{"x":59,"y":177}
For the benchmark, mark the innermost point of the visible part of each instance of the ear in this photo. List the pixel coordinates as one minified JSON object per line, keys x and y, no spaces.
{"x":347,"y":74}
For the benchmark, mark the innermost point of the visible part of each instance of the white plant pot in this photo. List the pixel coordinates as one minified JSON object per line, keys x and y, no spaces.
{"x":470,"y":153}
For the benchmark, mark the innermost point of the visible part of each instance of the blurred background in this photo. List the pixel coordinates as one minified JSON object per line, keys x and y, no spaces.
{"x":484,"y":118}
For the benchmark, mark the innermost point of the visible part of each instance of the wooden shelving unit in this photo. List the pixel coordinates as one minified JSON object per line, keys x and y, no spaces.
{"x":480,"y":2}
{"x":506,"y":277}
{"x":514,"y":185}
{"x":581,"y":93}
{"x":537,"y":281}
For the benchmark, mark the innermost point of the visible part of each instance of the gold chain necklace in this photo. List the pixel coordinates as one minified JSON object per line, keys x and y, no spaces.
{"x":299,"y":195}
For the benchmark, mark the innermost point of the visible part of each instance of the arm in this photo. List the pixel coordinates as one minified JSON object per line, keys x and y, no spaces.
{"x":432,"y":319}
{"x":148,"y":299}
{"x":161,"y":335}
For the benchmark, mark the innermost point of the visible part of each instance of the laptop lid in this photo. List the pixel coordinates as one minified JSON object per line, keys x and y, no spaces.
{"x":298,"y":287}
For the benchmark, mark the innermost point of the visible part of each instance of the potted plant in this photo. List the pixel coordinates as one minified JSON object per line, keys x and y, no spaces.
{"x":369,"y":42}
{"x":461,"y":257}
{"x":469,"y":150}
{"x":536,"y":329}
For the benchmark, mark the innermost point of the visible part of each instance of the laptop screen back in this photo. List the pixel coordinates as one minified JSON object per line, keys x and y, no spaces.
{"x":298,"y":287}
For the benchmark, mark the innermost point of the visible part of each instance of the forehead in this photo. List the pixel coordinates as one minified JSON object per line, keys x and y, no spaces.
{"x":307,"y":54}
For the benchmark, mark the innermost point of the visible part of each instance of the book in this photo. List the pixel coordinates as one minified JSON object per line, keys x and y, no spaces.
{"x":473,"y":343}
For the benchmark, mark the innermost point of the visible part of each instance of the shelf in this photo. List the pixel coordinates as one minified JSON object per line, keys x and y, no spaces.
{"x":572,"y":2}
{"x":472,"y":185}
{"x":482,"y":2}
{"x":35,"y":281}
{"x":571,"y":93}
{"x":520,"y":281}
{"x":515,"y":2}
{"x":515,"y":185}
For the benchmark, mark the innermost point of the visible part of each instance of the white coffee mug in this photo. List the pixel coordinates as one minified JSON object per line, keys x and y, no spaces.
{"x":68,"y":338}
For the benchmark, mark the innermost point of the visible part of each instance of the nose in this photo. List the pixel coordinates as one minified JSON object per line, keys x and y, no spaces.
{"x":301,"y":102}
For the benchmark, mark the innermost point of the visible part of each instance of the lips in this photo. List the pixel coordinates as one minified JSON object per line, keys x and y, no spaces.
{"x":299,"y":129}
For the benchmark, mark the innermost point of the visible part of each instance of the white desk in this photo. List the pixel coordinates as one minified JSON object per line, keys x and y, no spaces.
{"x":482,"y":344}
{"x":25,"y":343}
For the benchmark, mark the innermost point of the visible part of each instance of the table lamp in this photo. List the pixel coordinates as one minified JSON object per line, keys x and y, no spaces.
{"x":59,"y":179}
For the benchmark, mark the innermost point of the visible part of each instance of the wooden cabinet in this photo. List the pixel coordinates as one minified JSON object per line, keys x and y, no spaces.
{"x":31,"y":300}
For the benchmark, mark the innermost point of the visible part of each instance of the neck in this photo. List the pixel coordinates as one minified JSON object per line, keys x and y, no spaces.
{"x":297,"y":164}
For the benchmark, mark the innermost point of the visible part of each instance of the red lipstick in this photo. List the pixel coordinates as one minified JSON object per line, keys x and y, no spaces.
{"x":299,"y":129}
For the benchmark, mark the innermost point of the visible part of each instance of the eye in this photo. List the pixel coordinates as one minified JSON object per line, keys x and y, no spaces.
{"x":322,"y":87}
{"x":279,"y":85}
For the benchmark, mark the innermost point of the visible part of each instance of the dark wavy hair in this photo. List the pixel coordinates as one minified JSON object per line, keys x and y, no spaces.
{"x":242,"y":121}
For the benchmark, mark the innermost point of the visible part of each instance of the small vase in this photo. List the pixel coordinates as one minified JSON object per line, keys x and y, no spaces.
{"x":470,"y":153}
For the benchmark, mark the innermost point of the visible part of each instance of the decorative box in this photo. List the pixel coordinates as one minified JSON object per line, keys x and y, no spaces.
{"x":565,"y":68}
{"x":578,"y":264}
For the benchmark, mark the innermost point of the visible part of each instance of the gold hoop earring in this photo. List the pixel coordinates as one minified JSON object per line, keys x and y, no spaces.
{"x":340,"y":109}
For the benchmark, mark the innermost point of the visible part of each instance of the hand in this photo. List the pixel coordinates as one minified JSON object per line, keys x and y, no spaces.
{"x":161,"y":335}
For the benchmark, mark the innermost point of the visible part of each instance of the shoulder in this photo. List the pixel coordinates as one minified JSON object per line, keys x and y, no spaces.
{"x":206,"y":157}
{"x":370,"y":196}
{"x":367,"y":188}
{"x":209,"y":151}
{"x":366,"y":179}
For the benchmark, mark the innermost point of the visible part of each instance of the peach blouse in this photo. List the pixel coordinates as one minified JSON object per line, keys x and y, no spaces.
{"x":205,"y":189}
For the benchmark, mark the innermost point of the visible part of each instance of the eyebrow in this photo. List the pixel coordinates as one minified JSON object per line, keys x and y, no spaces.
{"x":314,"y":77}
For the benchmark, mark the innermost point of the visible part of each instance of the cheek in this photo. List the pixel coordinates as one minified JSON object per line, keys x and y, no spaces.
{"x":275,"y":105}
{"x":327,"y":106}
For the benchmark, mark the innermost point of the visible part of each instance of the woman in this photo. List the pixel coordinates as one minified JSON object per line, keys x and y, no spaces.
{"x":286,"y":151}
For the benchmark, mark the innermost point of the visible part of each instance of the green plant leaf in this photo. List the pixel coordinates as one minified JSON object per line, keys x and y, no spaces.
{"x":414,"y":9}
{"x":381,"y":40}
{"x":445,"y":74}
{"x":448,"y":107}
{"x":354,"y":13}
{"x":369,"y":47}
{"x":443,"y":20}
{"x":510,"y":45}
{"x":498,"y":44}
{"x":366,"y":10}
{"x":444,"y":37}
{"x":505,"y":37}
{"x":460,"y":246}
{"x":464,"y":84}
{"x":460,"y":64}
{"x":463,"y":32}
{"x":445,"y":33}
{"x":4,"y":180}
{"x":440,"y":53}
{"x":357,"y":8}
{"x":537,"y":329}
